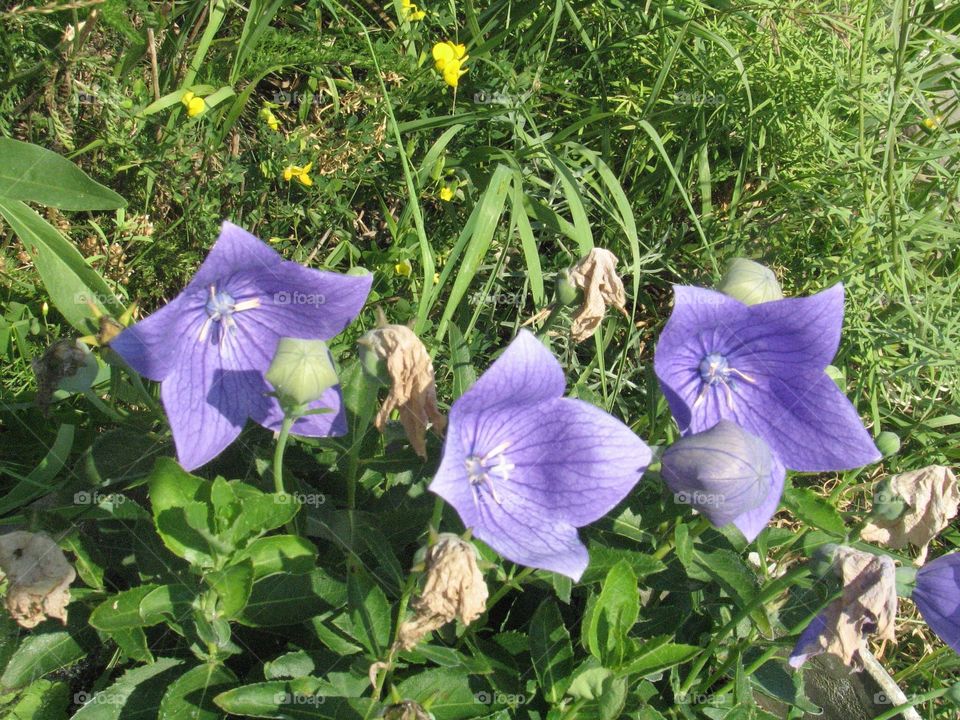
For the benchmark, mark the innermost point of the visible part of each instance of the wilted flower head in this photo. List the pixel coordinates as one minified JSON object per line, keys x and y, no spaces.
{"x":762,"y":366}
{"x":750,"y":282}
{"x":39,"y":578}
{"x":930,"y":500}
{"x":525,"y":467}
{"x":65,"y":365}
{"x":596,"y":277}
{"x":413,"y":391}
{"x":937,"y":595}
{"x":727,"y":474}
{"x":212,"y":344}
{"x":868,"y":606}
{"x":454,"y":589}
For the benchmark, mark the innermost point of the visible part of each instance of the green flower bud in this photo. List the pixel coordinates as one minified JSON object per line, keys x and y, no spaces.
{"x":906,"y":579}
{"x":567,"y":292}
{"x":301,"y":371}
{"x":888,"y":443}
{"x":374,"y":364}
{"x":887,"y":505}
{"x":821,"y":562}
{"x":749,"y":282}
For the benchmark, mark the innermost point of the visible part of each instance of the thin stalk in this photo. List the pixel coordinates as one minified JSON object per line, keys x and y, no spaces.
{"x":278,"y":453}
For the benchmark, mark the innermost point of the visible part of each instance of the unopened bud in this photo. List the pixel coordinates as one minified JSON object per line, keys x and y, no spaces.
{"x":821,"y":562}
{"x":301,"y":371}
{"x":887,"y":504}
{"x":888,"y":443}
{"x":750,"y":282}
{"x":567,"y":292}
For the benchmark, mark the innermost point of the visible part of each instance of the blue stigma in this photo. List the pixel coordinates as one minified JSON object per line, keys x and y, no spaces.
{"x":220,"y":305}
{"x":714,"y":369}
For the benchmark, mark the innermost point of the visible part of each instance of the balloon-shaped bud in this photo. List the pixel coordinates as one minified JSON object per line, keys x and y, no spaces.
{"x":888,"y":443}
{"x":887,"y":504}
{"x":301,"y":371}
{"x":723,"y":472}
{"x":821,"y":561}
{"x":906,"y":579}
{"x":750,"y":282}
{"x":373,"y":362}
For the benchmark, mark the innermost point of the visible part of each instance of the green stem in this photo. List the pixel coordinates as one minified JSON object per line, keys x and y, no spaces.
{"x":102,"y":406}
{"x":278,"y":453}
{"x":509,"y":585}
{"x":551,"y":319}
{"x":911,"y":702}
{"x":696,"y":531}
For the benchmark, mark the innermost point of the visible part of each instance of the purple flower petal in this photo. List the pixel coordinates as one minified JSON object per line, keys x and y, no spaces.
{"x":937,"y":595}
{"x":525,"y":467}
{"x":763,"y":367}
{"x":808,"y":644}
{"x":211,"y":346}
{"x":752,"y":522}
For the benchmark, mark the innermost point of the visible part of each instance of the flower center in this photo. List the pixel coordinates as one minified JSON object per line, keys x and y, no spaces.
{"x":715,"y":370}
{"x":220,"y":308}
{"x":484,"y":471}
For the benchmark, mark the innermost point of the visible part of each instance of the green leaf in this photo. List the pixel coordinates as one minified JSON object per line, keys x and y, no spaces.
{"x":293,"y":699}
{"x":290,"y":554}
{"x":739,"y":581}
{"x":39,"y":481}
{"x":551,"y":651}
{"x":136,"y":694}
{"x":615,"y":613}
{"x":809,"y":507}
{"x":133,"y":643}
{"x":283,"y":599}
{"x":369,"y":611}
{"x":658,"y":654}
{"x":445,"y":691}
{"x":233,"y":586}
{"x":70,"y":282}
{"x":42,"y":653}
{"x":31,"y":173}
{"x":166,"y":603}
{"x":261,"y":513}
{"x":289,"y":665}
{"x":588,"y":682}
{"x":41,"y":700}
{"x":122,"y":610}
{"x":180,"y":503}
{"x":191,"y":695}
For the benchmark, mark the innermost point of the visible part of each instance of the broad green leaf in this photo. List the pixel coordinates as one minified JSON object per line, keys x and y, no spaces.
{"x":73,"y":285}
{"x":31,"y":173}
{"x":814,"y":510}
{"x":369,"y":610}
{"x":167,"y":603}
{"x":233,"y":586}
{"x":279,"y":553}
{"x":728,"y":569}
{"x":261,"y":513}
{"x":657,"y":654}
{"x":551,"y":651}
{"x":615,"y":613}
{"x":181,"y":508}
{"x":191,"y":695}
{"x":42,"y":653}
{"x":133,"y":643}
{"x":445,"y":691}
{"x":122,"y":610}
{"x":303,"y":698}
{"x":289,"y":665}
{"x":135,"y":695}
{"x":41,"y":700}
{"x":283,"y":599}
{"x":588,"y":682}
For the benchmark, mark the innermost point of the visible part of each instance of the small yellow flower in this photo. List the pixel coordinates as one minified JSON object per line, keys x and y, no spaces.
{"x":271,"y":119}
{"x":436,"y":278}
{"x":446,"y":194}
{"x":932,"y":123}
{"x":448,"y":59}
{"x":403,"y":268}
{"x":302,"y":174}
{"x":195,"y":105}
{"x":411,"y":12}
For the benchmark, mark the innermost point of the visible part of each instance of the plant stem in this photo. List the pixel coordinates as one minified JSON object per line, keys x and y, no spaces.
{"x":508,"y":586}
{"x":102,"y":406}
{"x":278,"y":453}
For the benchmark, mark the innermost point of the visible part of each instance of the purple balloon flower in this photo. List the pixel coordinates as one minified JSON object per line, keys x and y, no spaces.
{"x":525,"y":467}
{"x":210,"y":346}
{"x":727,"y":474}
{"x":762,"y":366}
{"x":937,"y":595}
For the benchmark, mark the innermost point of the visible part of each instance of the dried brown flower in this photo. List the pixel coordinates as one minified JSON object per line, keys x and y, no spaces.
{"x":932,"y":500}
{"x":39,"y":578}
{"x":596,"y":276}
{"x":454,"y":589}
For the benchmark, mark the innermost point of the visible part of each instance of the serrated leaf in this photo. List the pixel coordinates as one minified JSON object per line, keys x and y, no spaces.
{"x":122,"y":610}
{"x":135,"y":695}
{"x":615,"y":613}
{"x":191,"y":695}
{"x":813,"y":510}
{"x":290,"y":554}
{"x":551,"y":651}
{"x":657,"y":654}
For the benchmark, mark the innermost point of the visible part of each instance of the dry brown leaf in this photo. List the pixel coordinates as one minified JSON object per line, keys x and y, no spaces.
{"x":39,"y":578}
{"x":454,"y":589}
{"x":596,"y":276}
{"x":413,"y":391}
{"x":932,"y":500}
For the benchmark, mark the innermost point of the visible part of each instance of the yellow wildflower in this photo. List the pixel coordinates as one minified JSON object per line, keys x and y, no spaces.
{"x":411,"y":12}
{"x":302,"y":174}
{"x":271,"y":119}
{"x":448,"y":59}
{"x":194,"y":104}
{"x":446,"y":194}
{"x":932,"y":123}
{"x":404,"y":268}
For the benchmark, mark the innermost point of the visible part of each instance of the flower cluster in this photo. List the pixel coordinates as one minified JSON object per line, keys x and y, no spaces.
{"x":449,"y":59}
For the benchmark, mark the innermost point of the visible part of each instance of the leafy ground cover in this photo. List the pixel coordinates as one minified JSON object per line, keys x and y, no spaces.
{"x":820,"y":139}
